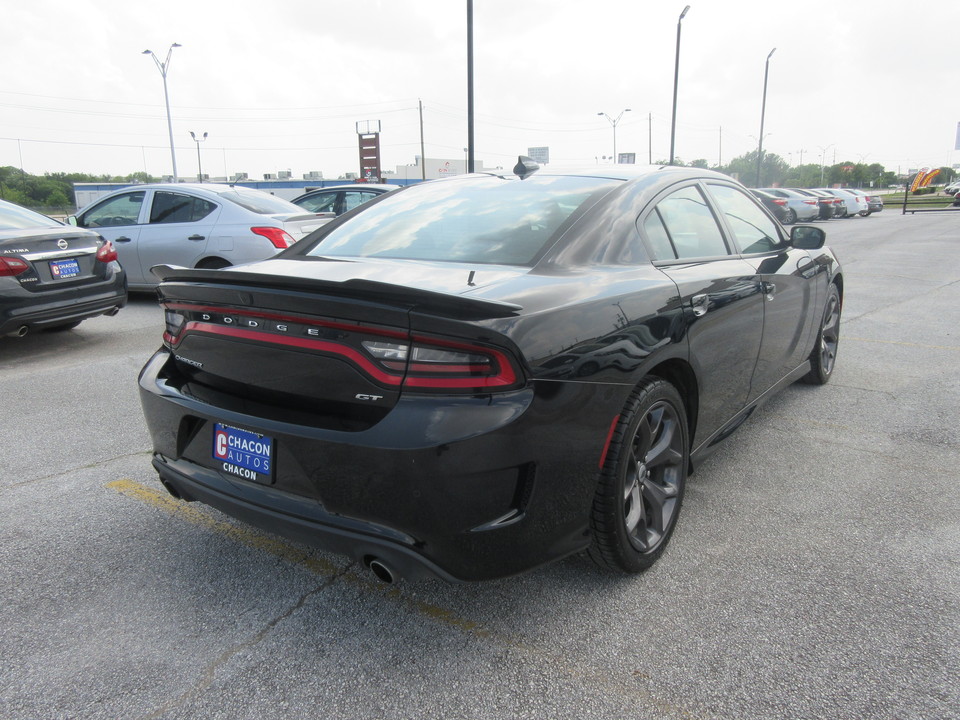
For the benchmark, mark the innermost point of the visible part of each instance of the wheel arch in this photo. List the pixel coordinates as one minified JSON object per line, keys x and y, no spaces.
{"x":680,"y":374}
{"x":213,"y":262}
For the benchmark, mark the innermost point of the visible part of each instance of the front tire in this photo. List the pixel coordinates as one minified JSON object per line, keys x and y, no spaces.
{"x":641,"y":486}
{"x":824,"y":355}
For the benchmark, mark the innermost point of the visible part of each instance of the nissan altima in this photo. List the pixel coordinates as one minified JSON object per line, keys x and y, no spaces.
{"x":52,"y":276}
{"x":477,"y":376}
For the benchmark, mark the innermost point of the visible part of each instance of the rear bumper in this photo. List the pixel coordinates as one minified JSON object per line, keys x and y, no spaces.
{"x":460,"y":488}
{"x":19,"y":307}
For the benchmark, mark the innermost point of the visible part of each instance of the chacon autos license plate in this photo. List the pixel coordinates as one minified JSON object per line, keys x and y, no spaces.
{"x":243,"y":453}
{"x":62,"y":269}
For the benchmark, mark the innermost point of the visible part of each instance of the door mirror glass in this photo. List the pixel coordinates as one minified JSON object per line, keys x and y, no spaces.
{"x":806,"y":237}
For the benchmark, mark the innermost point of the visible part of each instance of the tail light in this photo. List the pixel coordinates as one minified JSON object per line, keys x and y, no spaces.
{"x":280,"y":238}
{"x":12,"y":266}
{"x":107,"y":253}
{"x":388,"y":356}
{"x":810,"y":202}
{"x":434,"y":364}
{"x":780,"y":201}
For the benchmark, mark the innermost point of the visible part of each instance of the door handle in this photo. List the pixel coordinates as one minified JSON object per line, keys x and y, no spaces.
{"x":768,"y":289}
{"x":196,"y":237}
{"x":700,"y":304}
{"x":122,"y":238}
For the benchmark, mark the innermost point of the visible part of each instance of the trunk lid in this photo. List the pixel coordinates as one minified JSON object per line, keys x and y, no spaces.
{"x":55,"y":258}
{"x":322,"y":341}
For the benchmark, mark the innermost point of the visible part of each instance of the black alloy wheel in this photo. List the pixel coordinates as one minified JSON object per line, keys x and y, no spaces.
{"x":824,"y":355}
{"x":641,"y":487}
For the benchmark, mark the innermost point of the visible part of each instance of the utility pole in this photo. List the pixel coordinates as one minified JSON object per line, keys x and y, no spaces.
{"x":423,"y":157}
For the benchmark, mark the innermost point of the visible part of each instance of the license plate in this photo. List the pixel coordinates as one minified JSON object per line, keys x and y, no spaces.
{"x":243,"y":453}
{"x":62,"y":269}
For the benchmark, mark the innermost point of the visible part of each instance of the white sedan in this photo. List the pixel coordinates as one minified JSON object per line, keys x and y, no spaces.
{"x":853,"y":203}
{"x":193,"y":225}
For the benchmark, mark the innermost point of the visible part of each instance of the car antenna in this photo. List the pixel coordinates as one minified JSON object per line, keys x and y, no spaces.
{"x":525,"y":167}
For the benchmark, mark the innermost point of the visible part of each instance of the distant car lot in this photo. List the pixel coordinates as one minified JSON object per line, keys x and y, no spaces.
{"x":824,"y":576}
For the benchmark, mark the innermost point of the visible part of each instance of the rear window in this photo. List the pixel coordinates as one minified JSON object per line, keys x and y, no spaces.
{"x":14,"y":217}
{"x":260,"y":202}
{"x":489,"y":220}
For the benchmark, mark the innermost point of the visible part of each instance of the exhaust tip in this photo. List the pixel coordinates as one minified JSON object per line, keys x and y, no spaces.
{"x":19,"y":332}
{"x":381,"y":571}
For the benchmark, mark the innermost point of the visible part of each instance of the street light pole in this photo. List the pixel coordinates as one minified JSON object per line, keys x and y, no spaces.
{"x":198,"y":140}
{"x":614,"y":124}
{"x":163,"y":67}
{"x":763,"y":110}
{"x":676,"y":78}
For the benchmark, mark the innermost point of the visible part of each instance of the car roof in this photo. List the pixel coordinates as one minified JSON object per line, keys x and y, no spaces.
{"x":353,"y":186}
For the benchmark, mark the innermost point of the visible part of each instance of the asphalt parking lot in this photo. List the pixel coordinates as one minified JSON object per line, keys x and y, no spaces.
{"x":814,"y":573}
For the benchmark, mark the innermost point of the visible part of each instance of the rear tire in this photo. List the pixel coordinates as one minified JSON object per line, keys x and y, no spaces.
{"x":823,"y":358}
{"x":641,"y":486}
{"x":790,"y":217}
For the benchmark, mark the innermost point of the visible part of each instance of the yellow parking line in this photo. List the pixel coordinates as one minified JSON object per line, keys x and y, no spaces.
{"x":195,"y":515}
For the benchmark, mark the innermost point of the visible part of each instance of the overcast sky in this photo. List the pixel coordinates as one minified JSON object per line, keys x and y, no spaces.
{"x":280,"y":85}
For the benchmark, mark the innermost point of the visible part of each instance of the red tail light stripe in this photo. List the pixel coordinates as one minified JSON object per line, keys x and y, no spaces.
{"x":323,"y":346}
{"x":504,"y":378}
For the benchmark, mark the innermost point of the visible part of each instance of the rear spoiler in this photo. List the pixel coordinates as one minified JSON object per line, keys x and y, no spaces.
{"x":175,"y":281}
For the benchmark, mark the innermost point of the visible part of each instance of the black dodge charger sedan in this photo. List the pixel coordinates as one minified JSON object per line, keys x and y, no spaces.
{"x":472,"y":377}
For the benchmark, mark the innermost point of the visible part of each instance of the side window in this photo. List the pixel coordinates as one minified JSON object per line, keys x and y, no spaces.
{"x":352,"y":199}
{"x":120,"y":210}
{"x":322,"y":202}
{"x":683,"y":219}
{"x":754,"y":230}
{"x":171,"y":207}
{"x":658,"y":237}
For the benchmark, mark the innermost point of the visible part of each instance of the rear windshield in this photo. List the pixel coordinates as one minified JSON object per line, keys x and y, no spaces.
{"x":489,"y":220}
{"x":259,"y":202}
{"x":14,"y":217}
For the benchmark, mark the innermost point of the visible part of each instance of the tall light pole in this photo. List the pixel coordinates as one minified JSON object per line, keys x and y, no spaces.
{"x":823,"y":153}
{"x":676,"y":77}
{"x":614,"y":124}
{"x":163,"y":67}
{"x":198,"y":140}
{"x":763,"y":110}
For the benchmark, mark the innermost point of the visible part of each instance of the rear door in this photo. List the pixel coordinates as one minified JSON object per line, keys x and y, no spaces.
{"x":720,"y":294}
{"x":177,"y":231}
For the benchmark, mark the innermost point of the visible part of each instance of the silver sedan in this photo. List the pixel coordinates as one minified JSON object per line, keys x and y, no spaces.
{"x":206,"y":226}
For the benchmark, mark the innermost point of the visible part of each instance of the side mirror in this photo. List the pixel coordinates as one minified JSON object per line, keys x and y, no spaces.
{"x":72,"y":220}
{"x":806,"y":237}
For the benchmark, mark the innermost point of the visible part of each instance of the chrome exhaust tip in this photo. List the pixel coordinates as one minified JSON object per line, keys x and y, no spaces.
{"x":19,"y":332}
{"x":382,"y":571}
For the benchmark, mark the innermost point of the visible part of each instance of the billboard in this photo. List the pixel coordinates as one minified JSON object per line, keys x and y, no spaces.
{"x":539,"y":154}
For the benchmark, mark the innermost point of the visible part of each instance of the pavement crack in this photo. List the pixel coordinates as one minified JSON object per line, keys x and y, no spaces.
{"x":209,"y":673}
{"x":68,"y":471}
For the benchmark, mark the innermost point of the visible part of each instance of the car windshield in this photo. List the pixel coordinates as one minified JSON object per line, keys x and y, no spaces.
{"x":13,"y":217}
{"x":259,"y":202}
{"x":491,"y":220}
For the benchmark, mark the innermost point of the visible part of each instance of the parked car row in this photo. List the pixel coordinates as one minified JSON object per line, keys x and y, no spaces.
{"x":792,"y":205}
